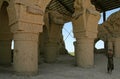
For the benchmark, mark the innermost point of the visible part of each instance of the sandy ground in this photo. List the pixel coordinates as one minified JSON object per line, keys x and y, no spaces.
{"x":64,"y":68}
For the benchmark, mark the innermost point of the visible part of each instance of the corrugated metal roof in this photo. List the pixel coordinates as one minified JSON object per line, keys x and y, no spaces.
{"x":62,"y":6}
{"x":66,"y":6}
{"x":105,"y":5}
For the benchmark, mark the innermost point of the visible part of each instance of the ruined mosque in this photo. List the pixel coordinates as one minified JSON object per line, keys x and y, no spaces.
{"x":36,"y":28}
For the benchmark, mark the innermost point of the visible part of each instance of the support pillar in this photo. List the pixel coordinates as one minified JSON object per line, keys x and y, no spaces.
{"x":85,"y":54}
{"x":26,"y":53}
{"x":5,"y":49}
{"x":52,"y":43}
{"x":51,"y":50}
{"x":26,"y":21}
{"x":117,"y":47}
{"x":54,"y":23}
{"x":85,"y":32}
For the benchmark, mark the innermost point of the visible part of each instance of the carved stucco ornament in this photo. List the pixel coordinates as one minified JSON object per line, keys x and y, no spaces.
{"x":111,"y":27}
{"x":34,"y":10}
{"x":31,"y":8}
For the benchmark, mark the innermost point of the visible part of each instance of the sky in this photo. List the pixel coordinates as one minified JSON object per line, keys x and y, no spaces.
{"x":69,"y":37}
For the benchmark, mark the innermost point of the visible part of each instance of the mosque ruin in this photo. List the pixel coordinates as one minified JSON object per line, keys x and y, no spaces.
{"x":36,"y":28}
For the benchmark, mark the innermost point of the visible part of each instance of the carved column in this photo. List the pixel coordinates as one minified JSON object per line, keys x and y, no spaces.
{"x":54,"y":23}
{"x":26,"y":21}
{"x":85,"y":31}
{"x":5,"y":36}
{"x":52,"y":43}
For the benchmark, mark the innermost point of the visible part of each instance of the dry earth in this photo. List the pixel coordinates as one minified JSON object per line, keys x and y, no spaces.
{"x":64,"y":68}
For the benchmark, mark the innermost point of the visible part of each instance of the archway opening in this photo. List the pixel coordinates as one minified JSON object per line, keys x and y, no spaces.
{"x":108,"y":13}
{"x":12,"y":45}
{"x":100,"y":47}
{"x":68,"y":37}
{"x":99,"y":44}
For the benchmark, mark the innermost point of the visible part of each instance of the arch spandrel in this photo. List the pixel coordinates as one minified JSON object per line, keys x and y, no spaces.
{"x":43,"y":3}
{"x":114,"y":23}
{"x":111,"y":27}
{"x":114,"y":16}
{"x":25,"y":11}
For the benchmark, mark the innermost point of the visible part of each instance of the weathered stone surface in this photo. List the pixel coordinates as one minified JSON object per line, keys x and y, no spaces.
{"x":110,"y":31}
{"x":85,"y":31}
{"x":27,"y":19}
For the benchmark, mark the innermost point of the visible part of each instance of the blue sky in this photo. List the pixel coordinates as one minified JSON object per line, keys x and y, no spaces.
{"x":69,"y":37}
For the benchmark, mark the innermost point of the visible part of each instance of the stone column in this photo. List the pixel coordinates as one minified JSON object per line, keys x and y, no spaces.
{"x":5,"y":48}
{"x":52,"y":43}
{"x":85,"y":31}
{"x":26,"y":21}
{"x":26,"y":52}
{"x":25,"y":59}
{"x":54,"y":23}
{"x":117,"y":47}
{"x":84,"y":52}
{"x":51,"y":50}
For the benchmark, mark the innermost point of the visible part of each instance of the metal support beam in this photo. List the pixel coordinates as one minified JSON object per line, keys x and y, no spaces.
{"x":104,"y":16}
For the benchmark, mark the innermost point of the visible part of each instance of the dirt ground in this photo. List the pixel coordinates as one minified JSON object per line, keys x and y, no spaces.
{"x":65,"y":68}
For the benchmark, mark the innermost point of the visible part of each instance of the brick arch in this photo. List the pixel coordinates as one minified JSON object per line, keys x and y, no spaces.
{"x":111,"y":27}
{"x":114,"y":22}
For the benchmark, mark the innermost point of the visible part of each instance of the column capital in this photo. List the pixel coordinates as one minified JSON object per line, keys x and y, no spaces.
{"x":26,"y":31}
{"x":23,"y":36}
{"x":27,"y":11}
{"x":82,"y":35}
{"x":26,"y":27}
{"x":83,"y":26}
{"x":84,"y":39}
